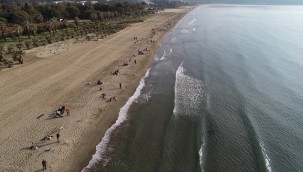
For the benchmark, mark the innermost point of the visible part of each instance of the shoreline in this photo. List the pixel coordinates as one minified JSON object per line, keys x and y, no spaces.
{"x":86,"y":159}
{"x":61,"y":79}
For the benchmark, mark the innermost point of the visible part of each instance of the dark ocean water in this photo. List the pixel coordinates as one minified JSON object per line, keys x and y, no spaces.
{"x":225,"y":93}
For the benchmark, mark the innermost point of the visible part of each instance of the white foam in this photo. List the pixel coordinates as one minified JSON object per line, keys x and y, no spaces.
{"x":194,"y":29}
{"x":266,"y":157}
{"x":101,"y":147}
{"x":173,"y":39}
{"x":192,"y":21}
{"x":184,"y":31}
{"x":201,"y":156}
{"x":144,"y":98}
{"x":188,"y":93}
{"x":163,"y":56}
{"x":157,"y":58}
{"x":203,"y":145}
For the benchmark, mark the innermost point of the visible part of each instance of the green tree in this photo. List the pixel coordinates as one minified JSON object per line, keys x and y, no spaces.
{"x":17,"y":17}
{"x":72,"y":12}
{"x":93,"y":16}
{"x":33,"y":29}
{"x":18,"y":30}
{"x":3,"y":29}
{"x":18,"y":56}
{"x":38,"y":18}
{"x":76,"y":21}
{"x":2,"y":51}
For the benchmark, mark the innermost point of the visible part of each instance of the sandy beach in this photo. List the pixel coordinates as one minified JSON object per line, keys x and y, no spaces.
{"x":66,"y":74}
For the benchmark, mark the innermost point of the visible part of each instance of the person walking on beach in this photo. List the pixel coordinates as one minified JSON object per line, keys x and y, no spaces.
{"x":44,"y":164}
{"x":120,"y":85}
{"x":58,"y":137}
{"x":103,"y":95}
{"x":135,"y":61}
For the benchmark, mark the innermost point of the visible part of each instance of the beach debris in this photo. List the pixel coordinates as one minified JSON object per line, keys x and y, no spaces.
{"x":47,"y":150}
{"x":38,"y":117}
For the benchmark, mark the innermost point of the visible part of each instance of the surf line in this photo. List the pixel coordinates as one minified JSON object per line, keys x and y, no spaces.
{"x":101,"y":147}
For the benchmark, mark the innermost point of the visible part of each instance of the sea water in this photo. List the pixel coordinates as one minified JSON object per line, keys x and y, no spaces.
{"x":225,"y":93}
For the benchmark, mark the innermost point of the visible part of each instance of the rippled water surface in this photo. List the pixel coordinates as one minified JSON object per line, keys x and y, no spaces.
{"x":225,"y":93}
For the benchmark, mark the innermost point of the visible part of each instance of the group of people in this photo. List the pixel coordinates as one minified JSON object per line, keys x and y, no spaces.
{"x":61,"y":110}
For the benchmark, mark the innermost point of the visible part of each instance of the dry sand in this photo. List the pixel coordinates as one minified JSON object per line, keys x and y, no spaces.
{"x":58,"y":75}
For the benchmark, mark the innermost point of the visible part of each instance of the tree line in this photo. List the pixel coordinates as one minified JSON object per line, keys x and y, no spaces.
{"x":32,"y":25}
{"x":15,"y":16}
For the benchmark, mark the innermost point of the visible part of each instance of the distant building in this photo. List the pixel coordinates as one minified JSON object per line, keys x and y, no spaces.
{"x":64,"y":1}
{"x":83,"y":2}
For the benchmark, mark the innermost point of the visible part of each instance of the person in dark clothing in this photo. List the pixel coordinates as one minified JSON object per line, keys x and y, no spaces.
{"x":44,"y":164}
{"x":120,"y":84}
{"x":58,"y":136}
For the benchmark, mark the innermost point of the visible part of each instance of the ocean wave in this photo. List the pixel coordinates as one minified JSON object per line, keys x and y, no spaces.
{"x":101,"y":147}
{"x":189,"y":93}
{"x":203,"y":146}
{"x":163,"y":56}
{"x":265,"y":157}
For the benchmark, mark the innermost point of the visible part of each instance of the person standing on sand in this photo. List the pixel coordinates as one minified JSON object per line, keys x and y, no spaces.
{"x":44,"y":164}
{"x":58,"y":137}
{"x":67,"y":110}
{"x":135,"y":61}
{"x":120,"y":84}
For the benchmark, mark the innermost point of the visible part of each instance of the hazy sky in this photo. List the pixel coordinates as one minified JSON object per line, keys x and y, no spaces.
{"x":290,"y":2}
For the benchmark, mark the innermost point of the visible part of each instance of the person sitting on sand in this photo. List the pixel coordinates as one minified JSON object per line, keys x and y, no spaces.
{"x":99,"y":82}
{"x":116,"y":72}
{"x":58,"y":114}
{"x":62,"y":110}
{"x":33,"y":146}
{"x":48,"y":137}
{"x":113,"y":98}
